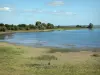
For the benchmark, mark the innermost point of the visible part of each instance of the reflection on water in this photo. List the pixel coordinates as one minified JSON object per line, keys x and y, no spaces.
{"x":6,"y":36}
{"x":2,"y":36}
{"x":67,"y":38}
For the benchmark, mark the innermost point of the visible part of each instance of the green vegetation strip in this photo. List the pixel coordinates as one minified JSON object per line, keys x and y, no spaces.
{"x":38,"y":27}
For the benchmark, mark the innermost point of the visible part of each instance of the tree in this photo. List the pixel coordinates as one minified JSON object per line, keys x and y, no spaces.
{"x":31,"y":26}
{"x":44,"y":26}
{"x":15,"y":28}
{"x":50,"y":26}
{"x":3,"y":29}
{"x":38,"y":24}
{"x":78,"y":26}
{"x":1,"y":24}
{"x":7,"y":26}
{"x":58,"y":26}
{"x":90,"y":26}
{"x":22,"y":25}
{"x":27,"y":28}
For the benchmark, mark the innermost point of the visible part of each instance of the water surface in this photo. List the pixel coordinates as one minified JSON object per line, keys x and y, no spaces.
{"x":67,"y":38}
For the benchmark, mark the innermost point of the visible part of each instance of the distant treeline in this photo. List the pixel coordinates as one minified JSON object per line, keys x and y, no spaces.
{"x":37,"y":26}
{"x":77,"y":26}
{"x":89,"y":26}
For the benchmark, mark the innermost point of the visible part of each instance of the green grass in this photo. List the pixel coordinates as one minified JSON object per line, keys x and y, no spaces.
{"x":7,"y":54}
{"x":12,"y":62}
{"x":67,"y":69}
{"x":8,"y":58}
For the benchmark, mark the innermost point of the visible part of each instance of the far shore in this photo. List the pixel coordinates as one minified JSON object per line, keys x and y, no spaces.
{"x":46,"y":30}
{"x":7,"y":32}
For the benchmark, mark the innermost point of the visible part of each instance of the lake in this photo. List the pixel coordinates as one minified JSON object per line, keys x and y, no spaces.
{"x":65,"y":39}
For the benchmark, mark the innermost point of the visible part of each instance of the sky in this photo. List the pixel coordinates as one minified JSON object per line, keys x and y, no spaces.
{"x":58,"y":12}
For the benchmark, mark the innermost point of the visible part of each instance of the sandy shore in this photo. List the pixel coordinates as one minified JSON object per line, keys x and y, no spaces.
{"x":22,"y":60}
{"x":46,"y":30}
{"x":7,"y":32}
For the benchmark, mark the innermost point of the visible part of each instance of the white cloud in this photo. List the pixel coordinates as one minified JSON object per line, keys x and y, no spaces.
{"x":56,"y":3}
{"x":5,"y":9}
{"x":40,"y":11}
{"x":62,"y":13}
{"x":55,"y":12}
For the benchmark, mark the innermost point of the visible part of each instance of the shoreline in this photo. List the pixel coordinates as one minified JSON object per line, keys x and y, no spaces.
{"x":59,"y":49}
{"x":46,"y":30}
{"x":7,"y":32}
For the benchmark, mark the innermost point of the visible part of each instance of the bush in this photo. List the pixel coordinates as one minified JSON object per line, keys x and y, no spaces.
{"x":96,"y":55}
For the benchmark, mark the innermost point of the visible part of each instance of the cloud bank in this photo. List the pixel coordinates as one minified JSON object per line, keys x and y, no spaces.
{"x":54,"y":12}
{"x":38,"y":11}
{"x":5,"y":9}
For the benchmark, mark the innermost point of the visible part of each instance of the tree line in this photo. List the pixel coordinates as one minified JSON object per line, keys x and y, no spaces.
{"x":38,"y":25}
{"x":90,"y":26}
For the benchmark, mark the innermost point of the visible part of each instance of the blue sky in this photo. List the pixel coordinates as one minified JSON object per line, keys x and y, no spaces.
{"x":58,"y":12}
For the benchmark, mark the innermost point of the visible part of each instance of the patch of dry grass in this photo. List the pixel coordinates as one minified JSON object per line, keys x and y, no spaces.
{"x":19,"y":60}
{"x":46,"y":57}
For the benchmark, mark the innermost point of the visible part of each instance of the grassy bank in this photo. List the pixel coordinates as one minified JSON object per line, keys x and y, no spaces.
{"x":20,"y":60}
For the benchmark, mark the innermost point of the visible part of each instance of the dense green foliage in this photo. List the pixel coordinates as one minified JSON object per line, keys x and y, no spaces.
{"x":90,"y":26}
{"x":38,"y":25}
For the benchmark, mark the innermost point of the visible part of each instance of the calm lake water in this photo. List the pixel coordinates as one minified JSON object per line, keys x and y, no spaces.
{"x":67,"y":38}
